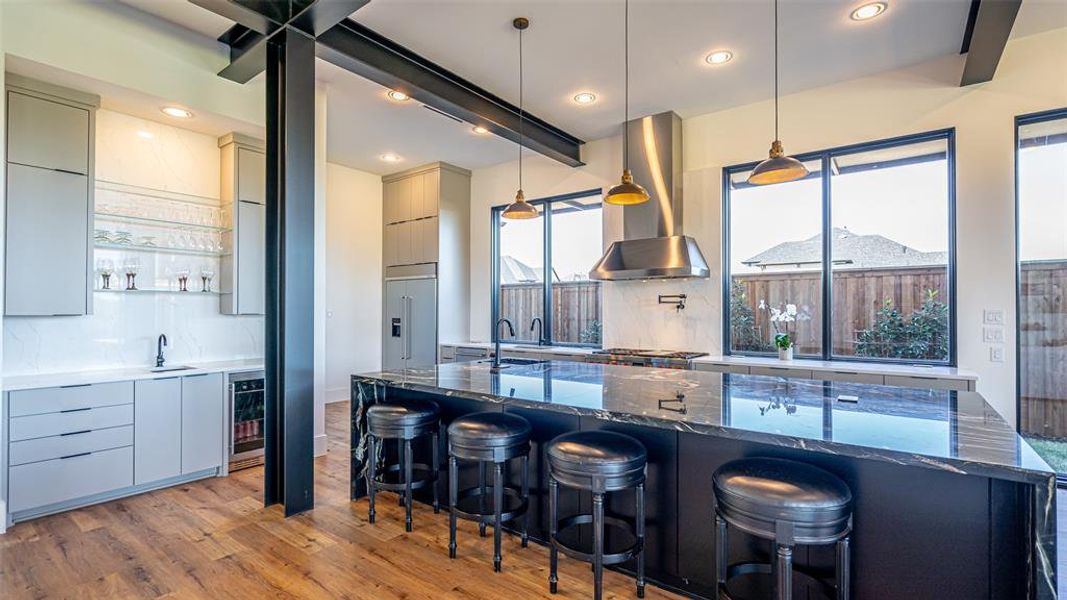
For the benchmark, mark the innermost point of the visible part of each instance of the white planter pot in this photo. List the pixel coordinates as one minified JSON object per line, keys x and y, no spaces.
{"x":786,"y":354}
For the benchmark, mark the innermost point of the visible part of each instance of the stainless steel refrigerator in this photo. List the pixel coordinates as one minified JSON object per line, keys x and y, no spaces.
{"x":409,"y":336}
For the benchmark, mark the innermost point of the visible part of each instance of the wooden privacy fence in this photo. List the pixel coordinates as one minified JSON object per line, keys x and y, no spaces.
{"x":858,"y":294}
{"x":576,"y":308}
{"x":1043,"y":348}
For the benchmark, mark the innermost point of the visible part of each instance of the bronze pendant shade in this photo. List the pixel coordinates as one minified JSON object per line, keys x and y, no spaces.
{"x":778,"y":168}
{"x":627,"y":192}
{"x":520,"y":208}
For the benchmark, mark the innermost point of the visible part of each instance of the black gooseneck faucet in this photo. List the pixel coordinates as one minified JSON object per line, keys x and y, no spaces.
{"x":538,"y":324}
{"x":496,"y":345}
{"x":160,"y":343}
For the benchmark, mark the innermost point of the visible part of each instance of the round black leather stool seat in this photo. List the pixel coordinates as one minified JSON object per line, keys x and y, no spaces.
{"x":599,"y":461}
{"x":757,"y":493}
{"x":489,"y":436}
{"x":403,"y":419}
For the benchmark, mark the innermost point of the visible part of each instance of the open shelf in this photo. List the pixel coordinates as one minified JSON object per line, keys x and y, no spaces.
{"x":156,"y":291}
{"x":158,"y":249}
{"x":181,"y":225}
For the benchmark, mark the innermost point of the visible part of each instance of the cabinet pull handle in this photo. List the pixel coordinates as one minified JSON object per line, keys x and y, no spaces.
{"x":195,"y":375}
{"x":68,"y":171}
{"x":76,"y":432}
{"x":75,"y":455}
{"x":846,"y":372}
{"x":923,"y":377}
{"x":74,"y":410}
{"x":75,"y":385}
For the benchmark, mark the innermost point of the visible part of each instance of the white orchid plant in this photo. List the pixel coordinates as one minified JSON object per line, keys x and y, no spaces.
{"x":784,"y":322}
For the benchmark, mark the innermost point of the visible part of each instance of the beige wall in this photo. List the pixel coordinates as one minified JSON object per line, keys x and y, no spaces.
{"x":353,"y":276}
{"x":1032,"y":76}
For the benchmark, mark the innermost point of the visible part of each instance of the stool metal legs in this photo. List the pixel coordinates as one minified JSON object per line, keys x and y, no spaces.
{"x":496,"y":512}
{"x":436,"y":466}
{"x":553,"y":523}
{"x":844,"y":568}
{"x":408,"y":476}
{"x":640,"y":531}
{"x":482,"y":480}
{"x":453,"y":498}
{"x":783,"y":585}
{"x":598,"y":546}
{"x":372,"y":457}
{"x":525,"y":497}
{"x":498,"y":507}
{"x":722,"y":549}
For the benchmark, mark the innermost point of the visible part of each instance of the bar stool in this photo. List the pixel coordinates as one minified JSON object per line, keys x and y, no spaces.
{"x":789,"y":503}
{"x":496,"y":438}
{"x":403,"y":421}
{"x":598,"y":462}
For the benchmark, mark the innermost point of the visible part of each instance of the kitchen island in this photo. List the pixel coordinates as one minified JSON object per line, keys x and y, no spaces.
{"x":949,"y":501}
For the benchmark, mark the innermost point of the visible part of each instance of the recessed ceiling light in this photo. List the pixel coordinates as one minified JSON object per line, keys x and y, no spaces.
{"x":585,"y":98}
{"x":869,"y":11}
{"x":145,"y":134}
{"x":719,"y":57}
{"x":479,"y":130}
{"x":177,"y":112}
{"x":390,"y":157}
{"x":397,"y":96}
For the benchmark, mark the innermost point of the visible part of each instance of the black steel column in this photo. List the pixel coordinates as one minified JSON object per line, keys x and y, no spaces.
{"x":289,"y":471}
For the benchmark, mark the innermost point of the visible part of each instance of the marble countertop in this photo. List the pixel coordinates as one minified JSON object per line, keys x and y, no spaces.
{"x":526,"y":347}
{"x":44,"y":380}
{"x":938,"y":429}
{"x":872,"y":368}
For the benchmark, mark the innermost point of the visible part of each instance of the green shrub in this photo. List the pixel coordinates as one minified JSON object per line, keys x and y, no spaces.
{"x":921,"y":336}
{"x":745,"y":335}
{"x":591,"y":334}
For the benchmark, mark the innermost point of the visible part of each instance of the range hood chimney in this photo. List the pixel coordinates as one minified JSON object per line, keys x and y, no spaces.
{"x":653,"y":245}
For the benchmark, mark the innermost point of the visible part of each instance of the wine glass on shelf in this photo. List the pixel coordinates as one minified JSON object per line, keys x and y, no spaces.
{"x":131,"y":266}
{"x":183,"y":278}
{"x":207,"y":273}
{"x":105,"y":267}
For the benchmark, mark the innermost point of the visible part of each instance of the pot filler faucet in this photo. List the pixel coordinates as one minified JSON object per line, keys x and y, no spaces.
{"x":160,"y":344}
{"x":496,"y":345}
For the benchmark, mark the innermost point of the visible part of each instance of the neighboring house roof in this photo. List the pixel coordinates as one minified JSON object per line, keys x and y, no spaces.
{"x":513,"y":270}
{"x":850,"y":251}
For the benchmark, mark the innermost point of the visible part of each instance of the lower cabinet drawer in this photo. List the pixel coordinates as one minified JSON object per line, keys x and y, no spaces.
{"x":43,"y":483}
{"x":850,"y":376}
{"x":781,"y":372}
{"x":719,"y":368}
{"x":919,"y":381}
{"x":48,"y":400}
{"x":48,"y":448}
{"x":37,"y":426}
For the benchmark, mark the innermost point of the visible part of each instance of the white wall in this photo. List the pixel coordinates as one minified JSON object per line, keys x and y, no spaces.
{"x":1032,"y":76}
{"x":353,"y":277}
{"x":123,"y":329}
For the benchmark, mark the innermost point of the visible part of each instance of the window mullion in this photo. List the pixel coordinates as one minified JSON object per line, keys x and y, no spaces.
{"x":546,"y":316}
{"x":827,"y":261}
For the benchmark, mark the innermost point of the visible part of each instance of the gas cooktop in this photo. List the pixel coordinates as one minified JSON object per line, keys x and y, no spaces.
{"x":637,"y":352}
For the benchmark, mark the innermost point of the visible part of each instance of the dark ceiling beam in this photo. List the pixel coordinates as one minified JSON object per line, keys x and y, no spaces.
{"x":356,"y":48}
{"x":259,"y":16}
{"x":988,"y":28}
{"x":319,"y":17}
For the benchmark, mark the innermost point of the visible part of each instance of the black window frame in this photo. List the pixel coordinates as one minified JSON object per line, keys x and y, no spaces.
{"x":1019,"y":121}
{"x":825,"y":174}
{"x":546,"y":204}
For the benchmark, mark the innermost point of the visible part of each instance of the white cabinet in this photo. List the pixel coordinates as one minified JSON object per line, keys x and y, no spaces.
{"x":242,"y":269}
{"x":157,"y":429}
{"x":781,"y":372}
{"x":202,"y":422}
{"x":49,"y":199}
{"x":927,"y":381}
{"x":414,"y":204}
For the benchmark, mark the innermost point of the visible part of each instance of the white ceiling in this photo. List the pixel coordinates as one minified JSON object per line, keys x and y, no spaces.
{"x":577,"y":45}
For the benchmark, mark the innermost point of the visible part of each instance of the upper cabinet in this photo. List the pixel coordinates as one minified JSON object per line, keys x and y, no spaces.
{"x":242,"y":273}
{"x":48,"y":256}
{"x":416,"y":204}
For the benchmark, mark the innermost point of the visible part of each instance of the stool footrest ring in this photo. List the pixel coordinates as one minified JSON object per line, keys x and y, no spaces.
{"x":609,"y":523}
{"x":749,"y":568}
{"x":422,"y":476}
{"x":486,"y":514}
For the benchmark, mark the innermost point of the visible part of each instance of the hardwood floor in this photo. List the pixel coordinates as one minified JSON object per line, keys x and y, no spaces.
{"x":214,"y":539}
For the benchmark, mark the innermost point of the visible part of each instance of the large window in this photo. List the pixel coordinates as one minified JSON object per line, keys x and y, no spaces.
{"x":1041,"y":179}
{"x":861,"y":252}
{"x":542,"y":270}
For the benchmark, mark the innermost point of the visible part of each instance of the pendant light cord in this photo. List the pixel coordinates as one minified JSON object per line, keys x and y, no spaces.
{"x":520,"y":110}
{"x":626,"y":90}
{"x":776,"y":69}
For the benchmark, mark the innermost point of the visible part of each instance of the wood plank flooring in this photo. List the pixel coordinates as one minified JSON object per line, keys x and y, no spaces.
{"x":214,"y":539}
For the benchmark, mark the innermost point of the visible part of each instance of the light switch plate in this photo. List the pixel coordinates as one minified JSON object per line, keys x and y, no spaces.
{"x":991,"y":316}
{"x":993,"y":334}
{"x":996,"y":354}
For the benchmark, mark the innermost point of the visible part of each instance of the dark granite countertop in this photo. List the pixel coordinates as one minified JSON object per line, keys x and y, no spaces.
{"x":936,"y":429}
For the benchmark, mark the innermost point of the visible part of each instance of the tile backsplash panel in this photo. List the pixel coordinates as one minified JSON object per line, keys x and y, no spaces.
{"x":122,"y":331}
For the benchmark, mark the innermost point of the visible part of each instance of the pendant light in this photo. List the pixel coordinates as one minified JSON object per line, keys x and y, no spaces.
{"x":778,"y":168}
{"x":627,"y":192}
{"x":520,"y":208}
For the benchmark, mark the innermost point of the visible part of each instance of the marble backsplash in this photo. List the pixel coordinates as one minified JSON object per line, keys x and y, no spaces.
{"x":123,"y":330}
{"x":633,"y":317}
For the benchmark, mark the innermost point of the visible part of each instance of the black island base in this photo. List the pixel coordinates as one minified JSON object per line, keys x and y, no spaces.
{"x":949,"y":503}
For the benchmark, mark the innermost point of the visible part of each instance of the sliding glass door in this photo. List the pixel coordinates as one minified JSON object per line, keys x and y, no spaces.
{"x":1041,"y":180}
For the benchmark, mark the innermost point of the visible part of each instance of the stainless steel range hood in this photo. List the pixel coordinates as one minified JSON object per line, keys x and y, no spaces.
{"x":653,"y":245}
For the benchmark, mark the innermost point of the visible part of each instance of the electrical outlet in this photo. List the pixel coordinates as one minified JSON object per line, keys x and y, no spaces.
{"x":996,"y":354}
{"x":992,"y":316}
{"x":994,"y":335}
